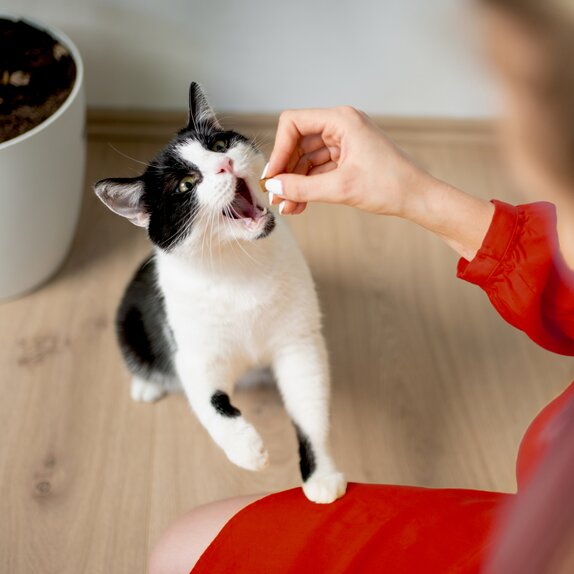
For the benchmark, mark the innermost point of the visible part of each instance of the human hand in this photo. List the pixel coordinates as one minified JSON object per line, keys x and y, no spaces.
{"x":339,"y":155}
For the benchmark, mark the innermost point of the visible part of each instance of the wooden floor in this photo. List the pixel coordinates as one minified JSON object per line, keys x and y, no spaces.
{"x":430,"y":386}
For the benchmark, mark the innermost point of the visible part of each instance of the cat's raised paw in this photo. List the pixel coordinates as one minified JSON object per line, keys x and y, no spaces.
{"x":145,"y":391}
{"x":245,"y":448}
{"x":325,"y":488}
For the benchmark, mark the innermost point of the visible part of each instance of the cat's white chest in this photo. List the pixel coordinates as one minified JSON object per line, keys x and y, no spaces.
{"x":195,"y":294}
{"x":231,"y":313}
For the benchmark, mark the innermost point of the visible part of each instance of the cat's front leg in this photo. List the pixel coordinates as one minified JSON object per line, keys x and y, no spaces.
{"x":302,"y":374}
{"x":205,"y":382}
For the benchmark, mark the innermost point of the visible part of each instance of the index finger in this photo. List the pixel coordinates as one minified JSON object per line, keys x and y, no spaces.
{"x":292,"y":127}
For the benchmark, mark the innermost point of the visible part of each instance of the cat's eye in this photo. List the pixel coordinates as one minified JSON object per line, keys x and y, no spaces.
{"x":219,"y":146}
{"x":188,"y":182}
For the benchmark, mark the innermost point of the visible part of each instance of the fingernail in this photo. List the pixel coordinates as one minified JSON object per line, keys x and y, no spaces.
{"x":265,"y":169}
{"x":274,"y":186}
{"x":270,"y":198}
{"x":282,"y":207}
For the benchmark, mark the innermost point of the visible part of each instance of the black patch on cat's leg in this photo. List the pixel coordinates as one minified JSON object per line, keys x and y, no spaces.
{"x":306,"y":454}
{"x":223,"y":406}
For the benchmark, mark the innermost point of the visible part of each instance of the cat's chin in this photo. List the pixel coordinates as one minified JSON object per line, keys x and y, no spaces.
{"x":252,"y":228}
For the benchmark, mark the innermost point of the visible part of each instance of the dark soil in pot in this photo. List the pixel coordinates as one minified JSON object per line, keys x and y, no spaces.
{"x":37,"y":74}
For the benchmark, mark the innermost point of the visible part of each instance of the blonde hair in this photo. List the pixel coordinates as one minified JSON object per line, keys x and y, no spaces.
{"x":552,"y":22}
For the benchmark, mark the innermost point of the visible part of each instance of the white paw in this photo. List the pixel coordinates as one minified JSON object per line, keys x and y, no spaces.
{"x":325,"y":488}
{"x":244,"y":447}
{"x":146,"y":392}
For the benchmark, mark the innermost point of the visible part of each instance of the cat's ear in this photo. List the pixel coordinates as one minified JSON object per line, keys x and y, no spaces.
{"x":123,"y":195}
{"x":200,"y":112}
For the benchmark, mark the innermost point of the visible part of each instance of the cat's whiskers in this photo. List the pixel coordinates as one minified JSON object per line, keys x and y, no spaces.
{"x":259,"y":140}
{"x":127,"y":156}
{"x":176,"y":236}
{"x":220,"y":242}
{"x":211,"y":233}
{"x":204,"y":227}
{"x":235,"y":240}
{"x":188,"y":225}
{"x":207,"y":236}
{"x":230,"y":230}
{"x":216,"y":219}
{"x":204,"y":230}
{"x":217,"y":216}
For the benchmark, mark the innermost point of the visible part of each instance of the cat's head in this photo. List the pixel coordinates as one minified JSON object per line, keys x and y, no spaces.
{"x":202,"y":186}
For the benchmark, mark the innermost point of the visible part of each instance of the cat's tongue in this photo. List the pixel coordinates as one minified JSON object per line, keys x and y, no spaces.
{"x":242,"y":205}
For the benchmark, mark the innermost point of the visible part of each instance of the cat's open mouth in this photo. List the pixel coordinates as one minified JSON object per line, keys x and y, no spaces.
{"x":243,"y":205}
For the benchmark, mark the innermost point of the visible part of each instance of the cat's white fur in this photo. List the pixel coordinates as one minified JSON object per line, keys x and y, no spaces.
{"x":234,"y":304}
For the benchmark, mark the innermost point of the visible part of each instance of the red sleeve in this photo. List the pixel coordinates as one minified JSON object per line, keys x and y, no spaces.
{"x":520,"y":268}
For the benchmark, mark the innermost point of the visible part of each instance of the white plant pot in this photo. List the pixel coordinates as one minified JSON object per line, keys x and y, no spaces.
{"x":41,"y":184}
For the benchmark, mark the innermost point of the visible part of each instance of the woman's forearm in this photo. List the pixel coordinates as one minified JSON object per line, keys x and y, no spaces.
{"x":459,"y":219}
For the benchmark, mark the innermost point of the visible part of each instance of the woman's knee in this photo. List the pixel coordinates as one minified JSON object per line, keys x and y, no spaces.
{"x":181,"y":546}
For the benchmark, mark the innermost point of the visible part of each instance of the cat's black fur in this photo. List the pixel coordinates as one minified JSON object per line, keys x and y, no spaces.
{"x":306,"y":455}
{"x":223,"y":406}
{"x":142,"y":327}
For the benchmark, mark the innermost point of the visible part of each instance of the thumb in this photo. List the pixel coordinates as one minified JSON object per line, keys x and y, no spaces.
{"x":304,"y":188}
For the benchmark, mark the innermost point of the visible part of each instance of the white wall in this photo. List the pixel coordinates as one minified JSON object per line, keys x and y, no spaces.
{"x":393,"y":57}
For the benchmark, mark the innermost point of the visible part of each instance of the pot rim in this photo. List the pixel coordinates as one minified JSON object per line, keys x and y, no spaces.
{"x":57,"y":34}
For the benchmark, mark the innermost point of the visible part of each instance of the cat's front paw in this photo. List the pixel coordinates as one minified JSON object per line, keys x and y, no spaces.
{"x":325,"y":488}
{"x":146,"y":391}
{"x":245,"y":448}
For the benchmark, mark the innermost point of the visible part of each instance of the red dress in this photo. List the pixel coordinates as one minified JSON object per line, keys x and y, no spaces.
{"x":398,"y":529}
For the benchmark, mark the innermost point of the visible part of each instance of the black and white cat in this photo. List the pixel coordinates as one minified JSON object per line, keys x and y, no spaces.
{"x":226,"y":290}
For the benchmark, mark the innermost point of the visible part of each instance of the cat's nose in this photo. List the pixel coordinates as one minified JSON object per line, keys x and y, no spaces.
{"x":225,"y":166}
